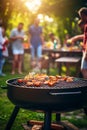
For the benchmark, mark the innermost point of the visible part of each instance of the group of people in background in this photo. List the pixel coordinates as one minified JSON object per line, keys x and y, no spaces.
{"x":36,"y":41}
{"x":16,"y":40}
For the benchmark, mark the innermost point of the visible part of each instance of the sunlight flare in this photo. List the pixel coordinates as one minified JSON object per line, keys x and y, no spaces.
{"x":33,"y":5}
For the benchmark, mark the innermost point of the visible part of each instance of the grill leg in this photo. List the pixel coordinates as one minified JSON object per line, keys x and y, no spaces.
{"x":85,"y":110}
{"x":58,"y":117}
{"x":12,"y":118}
{"x":47,"y":121}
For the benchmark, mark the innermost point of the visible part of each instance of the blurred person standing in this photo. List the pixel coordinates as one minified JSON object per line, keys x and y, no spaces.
{"x":36,"y":42}
{"x":55,"y":40}
{"x":17,"y":38}
{"x":56,"y":45}
{"x":5,"y":48}
{"x":67,"y":36}
{"x":3,"y":42}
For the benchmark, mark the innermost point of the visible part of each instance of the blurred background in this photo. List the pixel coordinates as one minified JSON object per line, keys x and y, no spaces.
{"x":57,"y":16}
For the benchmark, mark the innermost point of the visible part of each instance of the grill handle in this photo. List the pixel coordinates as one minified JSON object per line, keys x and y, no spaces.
{"x":64,"y":93}
{"x":4,"y":87}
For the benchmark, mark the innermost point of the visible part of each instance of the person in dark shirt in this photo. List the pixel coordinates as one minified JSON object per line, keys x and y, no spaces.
{"x":36,"y":42}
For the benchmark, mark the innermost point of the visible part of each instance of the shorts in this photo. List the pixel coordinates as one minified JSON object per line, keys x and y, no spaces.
{"x":17,"y":52}
{"x":83,"y":64}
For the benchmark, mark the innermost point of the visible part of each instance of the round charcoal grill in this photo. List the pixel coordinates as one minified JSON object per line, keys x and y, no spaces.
{"x":62,"y":97}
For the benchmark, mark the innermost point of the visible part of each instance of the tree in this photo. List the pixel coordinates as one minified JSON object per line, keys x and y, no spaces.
{"x":64,"y":13}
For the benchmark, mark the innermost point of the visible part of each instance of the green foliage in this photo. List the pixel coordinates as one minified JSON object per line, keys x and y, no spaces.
{"x":63,"y":12}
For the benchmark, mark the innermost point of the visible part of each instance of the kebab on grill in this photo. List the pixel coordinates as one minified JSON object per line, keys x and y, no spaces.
{"x":43,"y":79}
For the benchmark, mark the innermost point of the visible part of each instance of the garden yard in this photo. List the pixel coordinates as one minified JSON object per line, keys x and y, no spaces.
{"x":78,"y":118}
{"x":57,"y":17}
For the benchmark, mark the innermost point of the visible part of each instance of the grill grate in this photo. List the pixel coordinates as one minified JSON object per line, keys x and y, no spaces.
{"x":76,"y":83}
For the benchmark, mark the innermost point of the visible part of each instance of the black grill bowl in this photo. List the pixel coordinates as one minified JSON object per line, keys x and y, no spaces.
{"x":42,"y":98}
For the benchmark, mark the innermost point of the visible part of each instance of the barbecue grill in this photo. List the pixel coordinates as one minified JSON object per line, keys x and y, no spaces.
{"x":62,"y":97}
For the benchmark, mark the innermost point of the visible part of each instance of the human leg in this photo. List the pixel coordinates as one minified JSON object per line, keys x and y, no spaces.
{"x":32,"y":49}
{"x":39,"y":55}
{"x":84,"y":73}
{"x":2,"y":61}
{"x":15,"y":61}
{"x":2,"y":65}
{"x":33,"y":56}
{"x":84,"y":68}
{"x":39,"y":51}
{"x":20,"y":61}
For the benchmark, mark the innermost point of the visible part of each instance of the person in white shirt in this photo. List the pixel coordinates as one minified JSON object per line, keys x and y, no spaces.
{"x":17,"y":38}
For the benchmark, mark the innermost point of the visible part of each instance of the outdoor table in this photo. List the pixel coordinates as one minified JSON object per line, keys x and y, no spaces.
{"x":73,"y":56}
{"x":68,"y":61}
{"x":62,"y":52}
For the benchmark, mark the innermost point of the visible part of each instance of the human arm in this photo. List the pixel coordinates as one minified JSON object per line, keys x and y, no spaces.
{"x":14,"y":36}
{"x":42,"y":39}
{"x":17,"y":37}
{"x":29,"y":38}
{"x":6,"y":41}
{"x":75,"y":38}
{"x":2,"y":40}
{"x":41,"y":36}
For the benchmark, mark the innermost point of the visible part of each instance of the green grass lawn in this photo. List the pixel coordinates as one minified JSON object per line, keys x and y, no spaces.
{"x":78,"y":118}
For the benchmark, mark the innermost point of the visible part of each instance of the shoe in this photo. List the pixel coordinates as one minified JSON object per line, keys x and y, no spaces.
{"x":2,"y":74}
